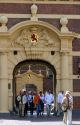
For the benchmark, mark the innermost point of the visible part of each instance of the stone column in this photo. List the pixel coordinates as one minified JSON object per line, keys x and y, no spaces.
{"x":64,"y":71}
{"x":66,"y":48}
{"x":3,"y":83}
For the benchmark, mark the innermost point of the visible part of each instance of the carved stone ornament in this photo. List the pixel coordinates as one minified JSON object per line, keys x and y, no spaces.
{"x":34,"y":9}
{"x":64,"y":22}
{"x":34,"y":37}
{"x":3,"y":22}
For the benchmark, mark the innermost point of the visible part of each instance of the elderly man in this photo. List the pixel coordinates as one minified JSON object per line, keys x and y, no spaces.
{"x":67,"y":104}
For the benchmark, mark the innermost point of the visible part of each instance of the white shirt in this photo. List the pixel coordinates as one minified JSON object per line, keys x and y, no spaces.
{"x":49,"y":99}
{"x":60,"y":98}
{"x":42,"y":98}
{"x":18,"y":98}
{"x":30,"y":98}
{"x":24,"y":100}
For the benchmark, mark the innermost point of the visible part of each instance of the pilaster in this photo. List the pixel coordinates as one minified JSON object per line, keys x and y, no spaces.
{"x":64,"y":71}
{"x":65,"y":51}
{"x":3,"y":82}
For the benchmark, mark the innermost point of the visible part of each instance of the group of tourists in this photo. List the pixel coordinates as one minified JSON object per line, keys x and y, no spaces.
{"x":38,"y":102}
{"x":33,"y":101}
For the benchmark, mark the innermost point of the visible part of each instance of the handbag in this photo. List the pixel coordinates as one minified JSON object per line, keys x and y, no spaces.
{"x":64,"y":109}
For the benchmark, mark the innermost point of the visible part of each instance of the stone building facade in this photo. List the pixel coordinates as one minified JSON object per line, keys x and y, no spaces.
{"x":42,"y":31}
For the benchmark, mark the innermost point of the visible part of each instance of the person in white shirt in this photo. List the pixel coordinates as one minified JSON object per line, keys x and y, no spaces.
{"x":59,"y":102}
{"x":23,"y":103}
{"x":48,"y":100}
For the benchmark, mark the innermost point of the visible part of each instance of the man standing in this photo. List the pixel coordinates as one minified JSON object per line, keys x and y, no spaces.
{"x":49,"y":100}
{"x":59,"y":102}
{"x":30,"y":102}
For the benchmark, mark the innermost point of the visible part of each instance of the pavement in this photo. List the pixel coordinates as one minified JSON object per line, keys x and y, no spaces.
{"x":16,"y":122}
{"x":13,"y":119}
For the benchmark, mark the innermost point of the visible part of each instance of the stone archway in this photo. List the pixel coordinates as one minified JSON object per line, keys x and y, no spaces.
{"x":36,"y":79}
{"x":46,"y":48}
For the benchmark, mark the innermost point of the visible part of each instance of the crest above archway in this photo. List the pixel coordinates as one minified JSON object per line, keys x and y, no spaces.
{"x":35,"y":34}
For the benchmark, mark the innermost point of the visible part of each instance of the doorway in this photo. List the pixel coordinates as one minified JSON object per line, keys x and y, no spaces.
{"x":31,"y":87}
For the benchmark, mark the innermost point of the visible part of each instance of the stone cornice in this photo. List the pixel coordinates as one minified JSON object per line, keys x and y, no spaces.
{"x":41,"y":16}
{"x":70,"y":35}
{"x":41,"y":2}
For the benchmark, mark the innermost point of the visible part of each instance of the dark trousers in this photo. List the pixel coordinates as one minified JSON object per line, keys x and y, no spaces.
{"x":26,"y":109}
{"x":38,"y":109}
{"x":42,"y":106}
{"x":31,"y":107}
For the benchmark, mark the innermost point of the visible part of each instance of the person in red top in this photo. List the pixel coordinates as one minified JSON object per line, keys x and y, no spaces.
{"x":36,"y":101}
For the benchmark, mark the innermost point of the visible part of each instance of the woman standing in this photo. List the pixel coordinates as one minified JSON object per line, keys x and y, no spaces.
{"x":67,"y":105}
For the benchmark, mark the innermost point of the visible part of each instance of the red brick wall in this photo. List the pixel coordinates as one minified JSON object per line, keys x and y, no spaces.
{"x":76,"y":85}
{"x":15,"y":8}
{"x":42,"y":8}
{"x":14,"y":21}
{"x":76,"y":45}
{"x":76,"y":102}
{"x":75,"y":64}
{"x":74,"y":25}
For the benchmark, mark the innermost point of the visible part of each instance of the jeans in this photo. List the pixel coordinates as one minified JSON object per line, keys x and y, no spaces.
{"x":48,"y":109}
{"x":69,"y":117}
{"x":38,"y":109}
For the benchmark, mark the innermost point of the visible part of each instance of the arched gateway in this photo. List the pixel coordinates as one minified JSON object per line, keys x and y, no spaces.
{"x":33,"y":41}
{"x":34,"y":75}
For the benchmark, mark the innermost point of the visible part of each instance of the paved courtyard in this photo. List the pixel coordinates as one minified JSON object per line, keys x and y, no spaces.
{"x":7,"y":119}
{"x":28,"y":122}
